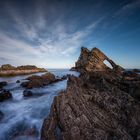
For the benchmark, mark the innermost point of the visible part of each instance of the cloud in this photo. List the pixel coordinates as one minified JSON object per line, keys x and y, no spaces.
{"x":36,"y":41}
{"x":128,"y":7}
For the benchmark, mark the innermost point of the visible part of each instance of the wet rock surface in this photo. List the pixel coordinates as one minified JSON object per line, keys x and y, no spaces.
{"x":23,"y":132}
{"x":43,"y":80}
{"x":27,"y":93}
{"x":18,"y":81}
{"x":38,"y":81}
{"x":96,"y":105}
{"x":4,"y":95}
{"x":1,"y":115}
{"x":2,"y":84}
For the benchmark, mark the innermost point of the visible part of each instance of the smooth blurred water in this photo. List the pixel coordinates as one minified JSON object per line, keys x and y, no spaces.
{"x":25,"y":114}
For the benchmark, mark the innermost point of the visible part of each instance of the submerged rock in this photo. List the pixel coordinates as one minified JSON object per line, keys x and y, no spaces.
{"x":22,"y":131}
{"x":27,"y":93}
{"x":4,"y":95}
{"x":18,"y":81}
{"x":95,"y":105}
{"x":2,"y":84}
{"x":1,"y":115}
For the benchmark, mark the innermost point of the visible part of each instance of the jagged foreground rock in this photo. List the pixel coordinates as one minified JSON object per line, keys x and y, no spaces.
{"x":95,"y":106}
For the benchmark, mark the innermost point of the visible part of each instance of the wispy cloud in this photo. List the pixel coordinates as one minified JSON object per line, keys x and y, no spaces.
{"x":127,"y":8}
{"x":46,"y":33}
{"x":53,"y":43}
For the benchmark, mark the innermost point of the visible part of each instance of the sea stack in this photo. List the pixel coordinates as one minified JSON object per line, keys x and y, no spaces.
{"x":94,"y":61}
{"x":97,"y":105}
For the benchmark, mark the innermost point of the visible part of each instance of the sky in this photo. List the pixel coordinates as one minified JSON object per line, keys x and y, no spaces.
{"x":50,"y":33}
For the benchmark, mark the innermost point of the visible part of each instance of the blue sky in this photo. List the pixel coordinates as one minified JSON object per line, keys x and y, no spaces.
{"x":50,"y":33}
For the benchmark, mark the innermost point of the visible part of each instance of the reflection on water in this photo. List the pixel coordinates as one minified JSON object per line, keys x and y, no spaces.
{"x":23,"y":117}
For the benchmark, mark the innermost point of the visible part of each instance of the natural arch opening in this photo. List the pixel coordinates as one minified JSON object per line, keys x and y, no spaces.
{"x":107,"y":63}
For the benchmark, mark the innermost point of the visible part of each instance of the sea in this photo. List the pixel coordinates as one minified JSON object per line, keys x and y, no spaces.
{"x":23,"y":116}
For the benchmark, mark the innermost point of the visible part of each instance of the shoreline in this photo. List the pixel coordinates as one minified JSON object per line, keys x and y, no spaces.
{"x":19,"y":72}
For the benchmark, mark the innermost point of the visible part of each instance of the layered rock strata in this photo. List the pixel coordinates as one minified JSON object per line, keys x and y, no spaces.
{"x":96,"y":105}
{"x":94,"y":61}
{"x":9,"y":70}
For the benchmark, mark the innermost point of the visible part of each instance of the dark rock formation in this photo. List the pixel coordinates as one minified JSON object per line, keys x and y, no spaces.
{"x":27,"y":93}
{"x":94,"y":61}
{"x":43,"y":80}
{"x":30,"y":93}
{"x":136,"y":70}
{"x":95,"y":105}
{"x":4,"y":95}
{"x":18,"y":81}
{"x":1,"y":115}
{"x":39,"y":81}
{"x":22,"y":131}
{"x":2,"y":84}
{"x":130,"y":83}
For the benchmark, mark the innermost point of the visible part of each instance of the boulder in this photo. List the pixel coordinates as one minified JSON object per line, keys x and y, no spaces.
{"x":2,"y":84}
{"x":18,"y":81}
{"x":27,"y":93}
{"x":39,"y":81}
{"x":4,"y":95}
{"x":64,"y":77}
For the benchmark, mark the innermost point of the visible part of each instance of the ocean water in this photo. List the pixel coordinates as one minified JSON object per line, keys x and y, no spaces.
{"x":24,"y":116}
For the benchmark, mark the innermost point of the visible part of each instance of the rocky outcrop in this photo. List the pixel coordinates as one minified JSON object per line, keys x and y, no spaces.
{"x":30,"y":93}
{"x":95,"y":105}
{"x":4,"y":95}
{"x":27,"y":93}
{"x":7,"y":67}
{"x":8,"y":70}
{"x":2,"y":84}
{"x":136,"y":70}
{"x":130,"y":83}
{"x":94,"y":61}
{"x":39,"y":81}
{"x":26,"y":67}
{"x":18,"y":81}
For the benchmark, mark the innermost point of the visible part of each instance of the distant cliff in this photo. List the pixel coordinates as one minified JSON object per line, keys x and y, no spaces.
{"x":9,"y":70}
{"x":101,"y":104}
